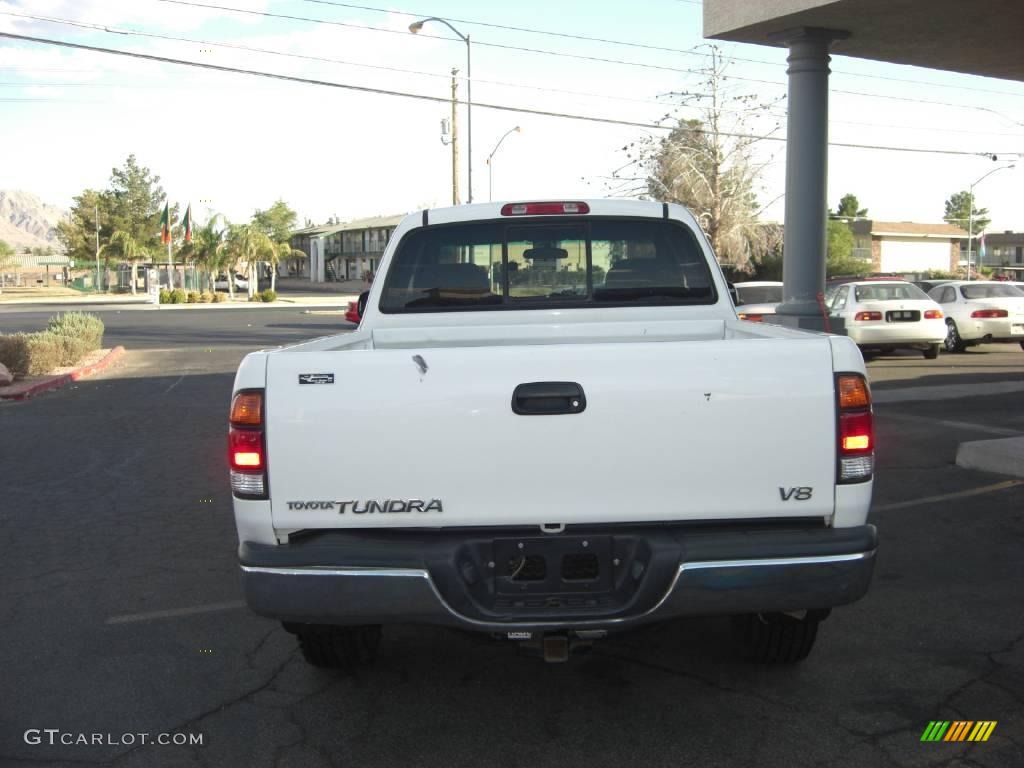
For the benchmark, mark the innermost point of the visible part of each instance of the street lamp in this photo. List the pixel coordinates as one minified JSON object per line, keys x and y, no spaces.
{"x":970,"y":213}
{"x":415,"y":27}
{"x":490,"y":165}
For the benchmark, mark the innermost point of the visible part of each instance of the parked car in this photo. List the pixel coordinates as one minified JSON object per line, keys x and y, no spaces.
{"x":221,"y":283}
{"x":980,"y":311}
{"x":352,"y":313}
{"x":927,"y":285}
{"x":485,"y":496}
{"x":757,"y":298}
{"x":888,"y":314}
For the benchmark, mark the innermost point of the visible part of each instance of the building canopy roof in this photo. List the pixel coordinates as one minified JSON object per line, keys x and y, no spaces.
{"x":906,"y":229}
{"x":979,"y":38}
{"x":373,"y":222}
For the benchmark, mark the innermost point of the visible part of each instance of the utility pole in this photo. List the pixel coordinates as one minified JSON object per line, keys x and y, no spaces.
{"x":97,"y":286}
{"x":455,"y":137}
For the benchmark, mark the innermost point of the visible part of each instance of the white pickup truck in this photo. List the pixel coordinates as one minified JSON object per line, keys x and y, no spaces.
{"x":551,"y":425}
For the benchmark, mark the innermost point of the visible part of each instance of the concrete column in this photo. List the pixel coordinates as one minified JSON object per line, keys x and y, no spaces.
{"x":803,"y":272}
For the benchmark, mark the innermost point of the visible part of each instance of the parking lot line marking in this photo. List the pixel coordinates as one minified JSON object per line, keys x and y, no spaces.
{"x":955,"y":424}
{"x":946,"y":496}
{"x":166,"y":391}
{"x":128,"y":618}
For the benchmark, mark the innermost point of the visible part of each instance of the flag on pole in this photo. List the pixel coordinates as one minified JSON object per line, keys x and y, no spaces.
{"x":187,"y":223}
{"x":981,"y":249}
{"x":165,"y":224}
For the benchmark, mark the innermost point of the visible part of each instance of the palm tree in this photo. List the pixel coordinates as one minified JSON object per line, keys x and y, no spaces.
{"x":208,"y":247}
{"x":250,"y":246}
{"x":6,"y":258}
{"x":282,"y":252}
{"x":124,"y":246}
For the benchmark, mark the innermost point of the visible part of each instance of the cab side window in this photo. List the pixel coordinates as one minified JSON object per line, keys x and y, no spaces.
{"x":839,"y":300}
{"x":947,"y":295}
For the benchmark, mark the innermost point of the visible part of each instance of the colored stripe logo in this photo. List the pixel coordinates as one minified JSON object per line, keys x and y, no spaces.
{"x":958,"y":730}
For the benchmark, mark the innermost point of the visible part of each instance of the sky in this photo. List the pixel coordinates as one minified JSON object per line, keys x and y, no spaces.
{"x":233,"y":143}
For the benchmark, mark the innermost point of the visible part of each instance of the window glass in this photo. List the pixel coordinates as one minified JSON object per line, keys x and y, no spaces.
{"x":889,"y":292}
{"x":839,"y":300}
{"x":514,"y":264}
{"x":759,"y":294}
{"x":990,"y":291}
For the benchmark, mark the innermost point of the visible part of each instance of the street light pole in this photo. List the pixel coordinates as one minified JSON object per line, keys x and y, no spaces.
{"x":490,"y":164}
{"x":415,"y":27}
{"x":970,"y":213}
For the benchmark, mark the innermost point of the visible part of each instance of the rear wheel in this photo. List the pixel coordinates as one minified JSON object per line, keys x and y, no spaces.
{"x":931,"y":352}
{"x":337,"y":647}
{"x":953,"y":341}
{"x":776,"y":638}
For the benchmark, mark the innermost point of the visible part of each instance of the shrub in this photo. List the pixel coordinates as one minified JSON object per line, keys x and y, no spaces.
{"x":177,"y":296}
{"x":14,"y":352}
{"x":219,"y":298}
{"x":206,"y":297}
{"x":256,"y":297}
{"x":82,"y":325}
{"x":268,"y":295}
{"x":192,"y":297}
{"x":165,"y":296}
{"x":70,"y":349}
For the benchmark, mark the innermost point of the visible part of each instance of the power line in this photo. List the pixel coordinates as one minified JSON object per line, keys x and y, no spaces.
{"x":647,"y":46}
{"x":443,"y":100}
{"x":604,"y":60}
{"x":446,"y":76}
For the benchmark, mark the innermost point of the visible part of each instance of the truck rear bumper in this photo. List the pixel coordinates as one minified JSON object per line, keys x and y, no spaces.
{"x":658,"y":573}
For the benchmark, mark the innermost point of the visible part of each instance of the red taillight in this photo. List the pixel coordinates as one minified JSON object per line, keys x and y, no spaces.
{"x":855,"y":433}
{"x":868,"y":316}
{"x":751,"y":317}
{"x":990,"y":313}
{"x":856,"y":436}
{"x":933,"y":314}
{"x":246,"y":448}
{"x":544,"y":209}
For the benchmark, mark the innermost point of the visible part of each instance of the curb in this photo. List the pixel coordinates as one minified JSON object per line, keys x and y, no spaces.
{"x":56,"y":382}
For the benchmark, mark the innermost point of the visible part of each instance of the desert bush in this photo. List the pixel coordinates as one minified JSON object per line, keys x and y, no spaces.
{"x":81,"y":325}
{"x":206,"y":297}
{"x":192,"y":297}
{"x":268,"y":295}
{"x":219,"y":298}
{"x":14,"y":352}
{"x":178,"y":296}
{"x":165,"y":296}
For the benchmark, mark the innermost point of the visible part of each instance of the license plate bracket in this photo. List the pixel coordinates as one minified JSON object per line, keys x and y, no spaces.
{"x":553,"y":565}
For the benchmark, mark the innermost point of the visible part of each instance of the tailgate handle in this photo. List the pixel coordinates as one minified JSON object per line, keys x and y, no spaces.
{"x":548,"y":398}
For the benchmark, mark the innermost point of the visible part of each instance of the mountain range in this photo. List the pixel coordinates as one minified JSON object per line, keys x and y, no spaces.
{"x":28,"y":222}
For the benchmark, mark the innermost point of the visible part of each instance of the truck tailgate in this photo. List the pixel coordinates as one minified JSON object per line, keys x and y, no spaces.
{"x":685,"y":430}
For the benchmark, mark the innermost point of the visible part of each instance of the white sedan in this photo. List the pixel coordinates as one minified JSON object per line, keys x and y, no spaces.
{"x":755,"y":299}
{"x":980,"y":311}
{"x":221,"y":283}
{"x":887,"y":315}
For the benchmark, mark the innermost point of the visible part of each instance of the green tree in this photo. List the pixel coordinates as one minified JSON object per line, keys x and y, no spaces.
{"x":124,"y":247}
{"x":840,"y":260}
{"x":849,"y":208}
{"x":960,"y":212}
{"x":277,"y":223}
{"x":136,"y":202}
{"x":77,"y":233}
{"x":6,"y":260}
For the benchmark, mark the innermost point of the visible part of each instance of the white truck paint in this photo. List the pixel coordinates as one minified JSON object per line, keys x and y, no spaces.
{"x":698,"y":428}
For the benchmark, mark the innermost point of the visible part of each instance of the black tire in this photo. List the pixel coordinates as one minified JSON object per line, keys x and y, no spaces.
{"x":339,"y":647}
{"x":931,"y":352}
{"x":776,"y":638}
{"x":953,"y":342}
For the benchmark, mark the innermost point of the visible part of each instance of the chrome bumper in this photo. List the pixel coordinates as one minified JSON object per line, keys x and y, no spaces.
{"x":795,"y":578}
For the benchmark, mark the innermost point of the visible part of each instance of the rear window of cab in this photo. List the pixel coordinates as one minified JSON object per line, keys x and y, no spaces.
{"x":540,"y":264}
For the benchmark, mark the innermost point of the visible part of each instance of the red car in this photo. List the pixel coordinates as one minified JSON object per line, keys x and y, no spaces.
{"x":352,"y":313}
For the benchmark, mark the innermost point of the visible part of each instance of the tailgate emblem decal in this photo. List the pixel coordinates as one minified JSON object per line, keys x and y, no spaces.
{"x":316,"y":378}
{"x":803,"y":493}
{"x":371,"y":506}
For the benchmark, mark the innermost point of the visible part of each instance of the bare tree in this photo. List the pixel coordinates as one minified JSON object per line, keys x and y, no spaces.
{"x":708,"y":163}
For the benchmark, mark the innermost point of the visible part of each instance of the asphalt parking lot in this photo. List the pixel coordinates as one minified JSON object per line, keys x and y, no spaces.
{"x":119,"y":601}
